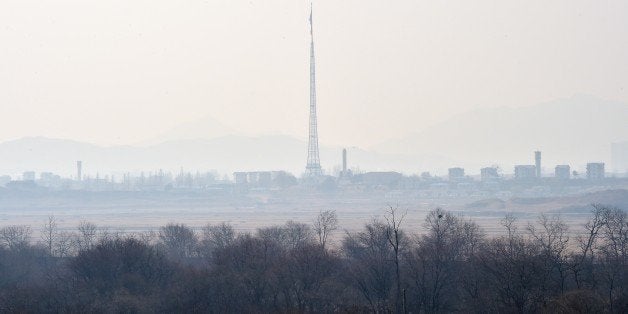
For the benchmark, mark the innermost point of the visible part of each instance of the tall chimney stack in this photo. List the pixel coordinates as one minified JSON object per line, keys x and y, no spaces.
{"x":537,"y":163}
{"x":344,"y":162}
{"x":79,"y":170}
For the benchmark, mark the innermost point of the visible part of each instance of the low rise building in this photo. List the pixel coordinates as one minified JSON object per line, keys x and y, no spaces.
{"x":562,"y":172}
{"x":381,"y":178}
{"x":525,"y":172}
{"x":28,"y":176}
{"x":456,"y":174}
{"x":489,"y":173}
{"x":240,"y":178}
{"x":595,"y":170}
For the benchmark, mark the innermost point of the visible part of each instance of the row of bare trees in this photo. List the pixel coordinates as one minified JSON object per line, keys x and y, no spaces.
{"x":450,"y":265}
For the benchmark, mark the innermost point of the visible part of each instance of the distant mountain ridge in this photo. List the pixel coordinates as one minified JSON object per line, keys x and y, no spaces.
{"x":224,"y":154}
{"x":572,"y":131}
{"x":203,"y":128}
{"x":567,"y":131}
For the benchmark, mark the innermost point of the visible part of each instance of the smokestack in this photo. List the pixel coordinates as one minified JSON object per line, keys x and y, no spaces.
{"x":537,"y":163}
{"x":344,"y":162}
{"x":79,"y":170}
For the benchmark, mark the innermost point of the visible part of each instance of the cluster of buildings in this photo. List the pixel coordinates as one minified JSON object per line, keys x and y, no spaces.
{"x":457,"y":183}
{"x":151,"y":181}
{"x":595,"y":170}
{"x":526,"y":180}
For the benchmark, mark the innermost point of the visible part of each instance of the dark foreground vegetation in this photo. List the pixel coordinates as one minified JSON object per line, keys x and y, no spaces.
{"x":449,"y":266}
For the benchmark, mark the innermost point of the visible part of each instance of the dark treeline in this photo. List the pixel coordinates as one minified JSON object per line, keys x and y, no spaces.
{"x":449,"y":266}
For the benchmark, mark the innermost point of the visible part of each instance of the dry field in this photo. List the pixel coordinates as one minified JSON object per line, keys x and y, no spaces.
{"x":141,"y":211}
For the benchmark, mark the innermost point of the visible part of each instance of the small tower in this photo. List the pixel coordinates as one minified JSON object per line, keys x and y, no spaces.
{"x":344,"y":162}
{"x":79,"y":170}
{"x":537,"y":163}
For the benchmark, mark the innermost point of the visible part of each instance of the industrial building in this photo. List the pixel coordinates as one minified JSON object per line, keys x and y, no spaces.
{"x":595,"y":170}
{"x":79,"y":170}
{"x":28,"y":176}
{"x":240,"y":178}
{"x":525,"y":172}
{"x":456,"y":174}
{"x":562,"y":172}
{"x":256,"y":179}
{"x":489,"y":173}
{"x":381,"y":178}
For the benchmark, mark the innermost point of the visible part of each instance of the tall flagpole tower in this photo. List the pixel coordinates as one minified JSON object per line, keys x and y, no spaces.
{"x":313,"y":167}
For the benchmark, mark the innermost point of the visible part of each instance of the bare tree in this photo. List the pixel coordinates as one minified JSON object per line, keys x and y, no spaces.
{"x":394,"y":235}
{"x":298,"y":234}
{"x":434,"y":265}
{"x":64,"y":244}
{"x":86,"y":238}
{"x":551,"y":234}
{"x":551,"y":237}
{"x":369,"y":257}
{"x":593,"y":226}
{"x":179,"y":240}
{"x":49,"y":233}
{"x":15,"y":237}
{"x":289,"y":236}
{"x":515,"y":270}
{"x":305,"y":273}
{"x":614,"y":255}
{"x":147,"y":237}
{"x":247,"y":272}
{"x":509,"y":222}
{"x":583,"y":262}
{"x":216,"y":237}
{"x":326,"y":222}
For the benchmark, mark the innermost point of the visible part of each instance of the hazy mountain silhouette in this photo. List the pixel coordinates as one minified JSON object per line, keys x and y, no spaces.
{"x":204,"y":128}
{"x":225,"y":154}
{"x":573,"y":131}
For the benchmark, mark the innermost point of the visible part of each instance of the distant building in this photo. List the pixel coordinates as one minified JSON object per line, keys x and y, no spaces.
{"x":489,"y":173}
{"x":345,"y":173}
{"x":24,"y":185}
{"x":595,"y":170}
{"x":49,"y":179}
{"x":254,"y":178}
{"x":240,"y":178}
{"x":344,"y":163}
{"x":619,"y":157}
{"x":283,"y":179}
{"x":79,"y":170}
{"x":525,"y":172}
{"x":28,"y":176}
{"x":456,"y":174}
{"x":381,"y":178}
{"x":264,"y":178}
{"x":49,"y":176}
{"x":562,"y":172}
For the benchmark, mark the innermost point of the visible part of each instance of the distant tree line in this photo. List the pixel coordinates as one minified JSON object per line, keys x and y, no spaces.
{"x":449,"y":266}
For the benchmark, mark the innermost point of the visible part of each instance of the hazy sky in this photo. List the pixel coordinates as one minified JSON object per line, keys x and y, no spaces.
{"x":123,"y":71}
